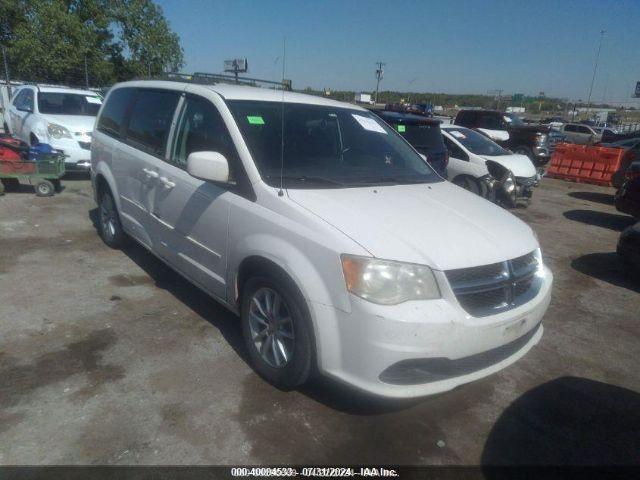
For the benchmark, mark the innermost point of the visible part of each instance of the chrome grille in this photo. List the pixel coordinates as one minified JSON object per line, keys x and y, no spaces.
{"x":494,"y":288}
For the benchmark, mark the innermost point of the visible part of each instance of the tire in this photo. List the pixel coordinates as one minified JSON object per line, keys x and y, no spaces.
{"x":44,"y":188}
{"x":109,"y":226}
{"x":524,"y":150}
{"x":282,"y":353}
{"x":468,"y":183}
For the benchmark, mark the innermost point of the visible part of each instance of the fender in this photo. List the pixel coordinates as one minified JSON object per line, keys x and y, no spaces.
{"x":319,"y":296}
{"x":292,"y":261}
{"x":103,"y":170}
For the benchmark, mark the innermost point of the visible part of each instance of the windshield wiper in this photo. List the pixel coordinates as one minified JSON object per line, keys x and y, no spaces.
{"x":308,"y":179}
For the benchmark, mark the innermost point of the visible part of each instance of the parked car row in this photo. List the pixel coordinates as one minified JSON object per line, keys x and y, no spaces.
{"x":469,"y":159}
{"x":338,"y":246}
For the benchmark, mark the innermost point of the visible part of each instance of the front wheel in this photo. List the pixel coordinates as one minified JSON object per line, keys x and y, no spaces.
{"x":109,"y":225}
{"x":277,"y":331}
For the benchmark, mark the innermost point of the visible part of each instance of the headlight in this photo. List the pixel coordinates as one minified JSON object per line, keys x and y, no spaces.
{"x":58,"y":131}
{"x":509,"y":183}
{"x":387,"y":282}
{"x":541,"y":139}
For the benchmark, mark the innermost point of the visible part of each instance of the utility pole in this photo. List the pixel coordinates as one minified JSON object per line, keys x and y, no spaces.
{"x":86,"y":72}
{"x":595,"y":69}
{"x":6,"y":70}
{"x":379,"y":74}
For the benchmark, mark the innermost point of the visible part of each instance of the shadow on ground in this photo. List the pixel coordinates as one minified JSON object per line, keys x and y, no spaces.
{"x":600,"y":219}
{"x":568,"y":421}
{"x":323,"y":390}
{"x":609,"y":268}
{"x":597,"y":197}
{"x":202,"y":304}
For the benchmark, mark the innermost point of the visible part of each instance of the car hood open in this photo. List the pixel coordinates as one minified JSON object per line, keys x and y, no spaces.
{"x":520,"y":165}
{"x":439,"y":224}
{"x":74,"y":123}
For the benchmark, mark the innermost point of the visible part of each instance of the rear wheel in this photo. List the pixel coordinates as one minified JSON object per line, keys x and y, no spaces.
{"x":44,"y":188}
{"x":277,"y":330}
{"x":109,"y":225}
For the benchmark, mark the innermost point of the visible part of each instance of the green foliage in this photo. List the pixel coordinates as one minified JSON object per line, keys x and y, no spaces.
{"x":50,"y":40}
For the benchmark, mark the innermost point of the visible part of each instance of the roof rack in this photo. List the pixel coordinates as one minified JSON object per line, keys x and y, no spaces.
{"x":204,"y":78}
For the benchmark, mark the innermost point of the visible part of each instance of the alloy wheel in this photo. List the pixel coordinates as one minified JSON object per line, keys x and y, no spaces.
{"x":271,"y":327}
{"x":108,"y":217}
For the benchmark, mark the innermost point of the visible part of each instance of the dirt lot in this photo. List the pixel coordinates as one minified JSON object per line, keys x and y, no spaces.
{"x":107,"y":357}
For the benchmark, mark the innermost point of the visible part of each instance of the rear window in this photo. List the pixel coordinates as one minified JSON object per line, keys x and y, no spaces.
{"x":151,"y":118}
{"x":426,"y":138}
{"x":113,"y":113}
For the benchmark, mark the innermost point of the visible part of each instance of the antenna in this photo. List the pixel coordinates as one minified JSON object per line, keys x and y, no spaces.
{"x":284,"y":58}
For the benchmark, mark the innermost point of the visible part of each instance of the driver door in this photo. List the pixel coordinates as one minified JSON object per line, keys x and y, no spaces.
{"x":19,"y":111}
{"x":192,"y":215}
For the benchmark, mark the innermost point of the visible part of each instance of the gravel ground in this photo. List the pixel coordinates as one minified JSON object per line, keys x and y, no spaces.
{"x":108,"y":357}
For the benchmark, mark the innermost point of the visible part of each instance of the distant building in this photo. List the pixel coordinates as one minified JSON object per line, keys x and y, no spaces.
{"x":515,"y":110}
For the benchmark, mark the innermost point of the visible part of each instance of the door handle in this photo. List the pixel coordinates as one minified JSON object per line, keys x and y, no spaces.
{"x":167,"y":183}
{"x":151,"y":173}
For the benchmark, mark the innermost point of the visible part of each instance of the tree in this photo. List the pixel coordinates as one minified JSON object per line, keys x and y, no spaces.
{"x":53,"y":40}
{"x":153,"y":47}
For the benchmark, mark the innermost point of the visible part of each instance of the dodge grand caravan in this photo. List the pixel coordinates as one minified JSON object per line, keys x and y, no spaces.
{"x":338,"y":246}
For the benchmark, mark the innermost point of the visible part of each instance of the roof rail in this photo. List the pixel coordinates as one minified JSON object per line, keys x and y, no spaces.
{"x":204,"y":78}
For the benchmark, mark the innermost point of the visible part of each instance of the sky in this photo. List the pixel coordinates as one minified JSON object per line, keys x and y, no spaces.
{"x":450,"y":46}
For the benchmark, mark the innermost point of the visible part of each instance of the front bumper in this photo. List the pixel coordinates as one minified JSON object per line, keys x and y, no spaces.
{"x":78,"y":153}
{"x":359,"y":346}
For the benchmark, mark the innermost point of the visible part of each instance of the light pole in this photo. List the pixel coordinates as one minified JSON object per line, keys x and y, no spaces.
{"x":595,"y":69}
{"x":379,"y":74}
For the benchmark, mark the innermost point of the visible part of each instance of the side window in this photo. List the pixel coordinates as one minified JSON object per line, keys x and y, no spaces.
{"x":201,"y":129}
{"x":151,"y":118}
{"x":584,"y":130}
{"x":19,"y":98}
{"x":569,"y":128}
{"x":454,"y":150}
{"x":113,"y":113}
{"x":27,"y":102}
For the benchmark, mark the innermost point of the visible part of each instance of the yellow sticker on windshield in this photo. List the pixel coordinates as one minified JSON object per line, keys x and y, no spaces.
{"x":402,"y":128}
{"x":255,"y":120}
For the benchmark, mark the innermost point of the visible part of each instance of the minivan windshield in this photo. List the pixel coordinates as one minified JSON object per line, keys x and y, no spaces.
{"x":61,"y":103}
{"x":326,"y":146}
{"x":476,"y":143}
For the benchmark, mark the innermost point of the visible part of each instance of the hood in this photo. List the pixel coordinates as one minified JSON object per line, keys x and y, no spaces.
{"x":520,"y":165}
{"x":439,"y":225}
{"x":74,"y":123}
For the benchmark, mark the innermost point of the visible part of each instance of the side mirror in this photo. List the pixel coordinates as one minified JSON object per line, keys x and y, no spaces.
{"x":211,"y":166}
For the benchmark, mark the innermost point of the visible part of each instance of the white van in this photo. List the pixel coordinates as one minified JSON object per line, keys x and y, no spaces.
{"x":339,"y":247}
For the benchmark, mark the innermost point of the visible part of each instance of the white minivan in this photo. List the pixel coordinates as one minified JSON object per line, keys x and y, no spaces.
{"x":338,"y":246}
